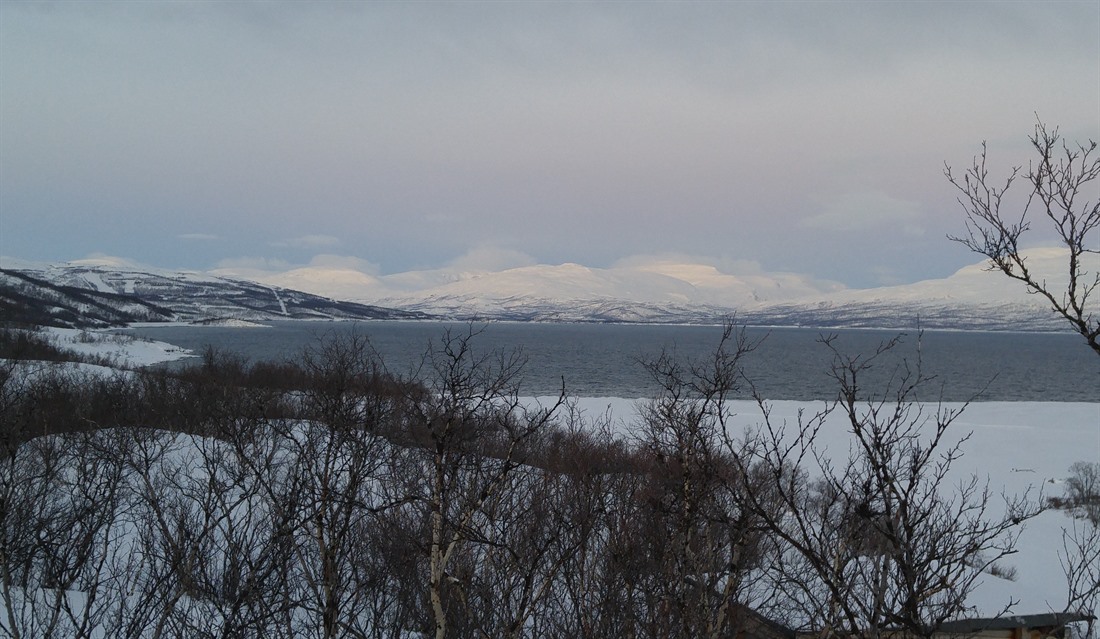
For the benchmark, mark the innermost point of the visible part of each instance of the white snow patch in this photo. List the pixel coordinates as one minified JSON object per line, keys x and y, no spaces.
{"x":123,"y":349}
{"x":96,"y":281}
{"x":282,"y":304}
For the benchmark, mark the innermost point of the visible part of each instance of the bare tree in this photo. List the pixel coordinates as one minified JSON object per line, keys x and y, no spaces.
{"x":340,"y":465}
{"x":60,"y":498}
{"x":707,"y":545}
{"x":521,"y":550}
{"x":1059,"y":178}
{"x":475,"y":433}
{"x":883,"y":540}
{"x":1083,"y":491}
{"x":602,"y":518}
{"x":1080,"y":559}
{"x":1080,"y":552}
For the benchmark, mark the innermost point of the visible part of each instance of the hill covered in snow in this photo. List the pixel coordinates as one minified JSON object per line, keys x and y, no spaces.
{"x":111,"y":293}
{"x":678,"y":291}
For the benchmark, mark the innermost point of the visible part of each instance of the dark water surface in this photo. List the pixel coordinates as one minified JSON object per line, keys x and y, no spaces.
{"x":602,"y":360}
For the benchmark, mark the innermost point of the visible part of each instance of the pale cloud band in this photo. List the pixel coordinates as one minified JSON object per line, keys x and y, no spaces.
{"x":866,"y":210}
{"x":307,"y":241}
{"x":491,"y":258}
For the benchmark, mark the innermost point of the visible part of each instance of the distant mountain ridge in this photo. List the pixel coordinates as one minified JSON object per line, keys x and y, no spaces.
{"x":669,"y":291}
{"x":654,"y":291}
{"x":92,"y":294}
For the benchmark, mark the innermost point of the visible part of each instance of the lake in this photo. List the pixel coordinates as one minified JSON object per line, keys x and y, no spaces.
{"x":603,"y":360}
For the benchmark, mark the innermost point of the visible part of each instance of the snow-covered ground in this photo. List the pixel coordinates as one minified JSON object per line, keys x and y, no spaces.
{"x":121,"y":349}
{"x":1016,"y":445}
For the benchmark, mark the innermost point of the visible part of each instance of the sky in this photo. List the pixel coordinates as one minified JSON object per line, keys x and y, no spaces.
{"x":805,"y":137}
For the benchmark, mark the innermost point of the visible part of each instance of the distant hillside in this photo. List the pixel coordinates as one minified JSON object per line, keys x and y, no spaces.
{"x":82,"y":295}
{"x":26,"y":299}
{"x":109,"y":291}
{"x":667,"y":291}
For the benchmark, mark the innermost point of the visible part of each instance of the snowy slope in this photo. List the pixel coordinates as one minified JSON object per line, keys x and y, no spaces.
{"x":660,"y":282}
{"x":973,"y":295}
{"x":139,"y":293}
{"x":669,"y":291}
{"x":123,"y":349}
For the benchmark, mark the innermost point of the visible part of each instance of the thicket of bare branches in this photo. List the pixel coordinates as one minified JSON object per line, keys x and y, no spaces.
{"x":884,"y":540}
{"x":330,"y":498}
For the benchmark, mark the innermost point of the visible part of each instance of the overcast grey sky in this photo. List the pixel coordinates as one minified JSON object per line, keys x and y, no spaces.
{"x":802,"y":136}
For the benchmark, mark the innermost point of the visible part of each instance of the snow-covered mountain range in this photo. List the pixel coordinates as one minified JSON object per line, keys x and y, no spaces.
{"x":665,"y":290}
{"x":654,"y":290}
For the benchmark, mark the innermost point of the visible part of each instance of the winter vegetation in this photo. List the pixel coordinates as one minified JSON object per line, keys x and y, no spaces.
{"x":327,"y":497}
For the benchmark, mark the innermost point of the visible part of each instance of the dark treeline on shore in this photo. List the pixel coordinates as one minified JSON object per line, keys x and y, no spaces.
{"x":326,"y":497}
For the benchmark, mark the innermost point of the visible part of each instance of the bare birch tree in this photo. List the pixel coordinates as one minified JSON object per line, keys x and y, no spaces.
{"x":1080,"y":552}
{"x":882,"y":541}
{"x":1061,"y":179}
{"x":340,"y":464}
{"x":475,"y":434}
{"x":707,"y":544}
